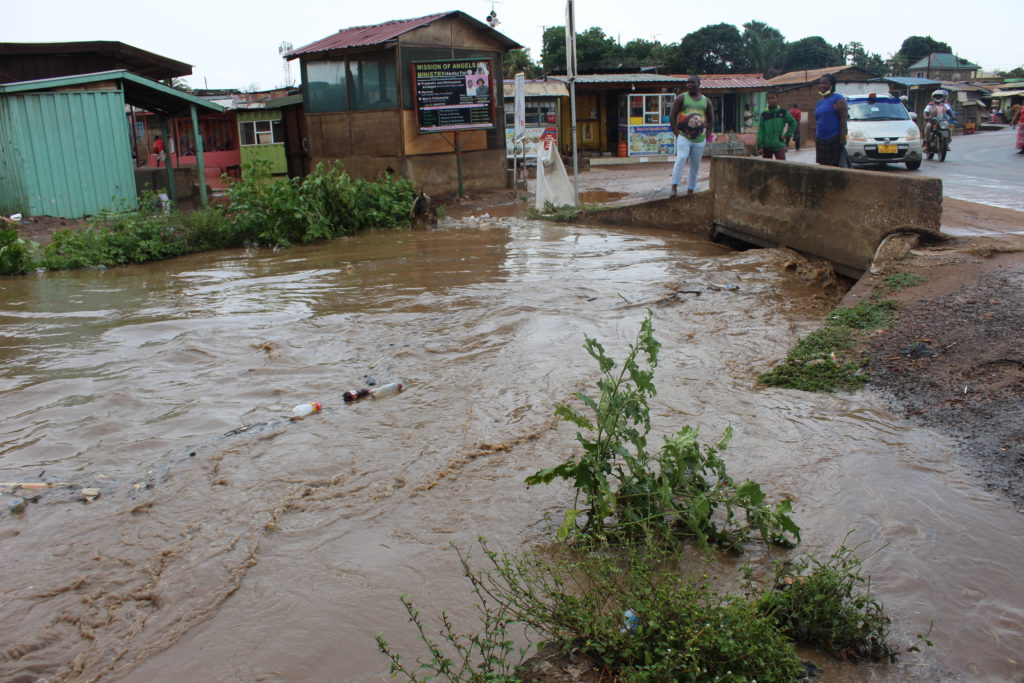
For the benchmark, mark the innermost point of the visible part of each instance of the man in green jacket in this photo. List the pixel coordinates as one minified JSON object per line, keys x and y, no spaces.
{"x":774,"y":130}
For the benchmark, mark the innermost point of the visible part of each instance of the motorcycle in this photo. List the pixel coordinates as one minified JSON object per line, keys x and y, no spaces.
{"x":938,"y":139}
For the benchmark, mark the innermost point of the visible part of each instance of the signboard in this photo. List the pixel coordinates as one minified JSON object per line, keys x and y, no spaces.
{"x":520,"y":106}
{"x":533,"y":139}
{"x":650,"y":140}
{"x":453,"y":95}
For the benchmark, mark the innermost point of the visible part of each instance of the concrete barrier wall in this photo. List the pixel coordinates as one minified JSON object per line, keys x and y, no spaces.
{"x":690,"y":214}
{"x":834,"y":213}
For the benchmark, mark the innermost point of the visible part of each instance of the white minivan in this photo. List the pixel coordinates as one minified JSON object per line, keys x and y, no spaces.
{"x":880,"y":130}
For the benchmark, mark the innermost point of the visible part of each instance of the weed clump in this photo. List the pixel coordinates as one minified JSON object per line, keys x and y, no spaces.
{"x":823,"y":360}
{"x":681,"y":490}
{"x":828,"y":604}
{"x":898,"y":281}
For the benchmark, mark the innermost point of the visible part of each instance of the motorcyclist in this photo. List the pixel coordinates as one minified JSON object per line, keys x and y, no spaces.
{"x":938,"y":110}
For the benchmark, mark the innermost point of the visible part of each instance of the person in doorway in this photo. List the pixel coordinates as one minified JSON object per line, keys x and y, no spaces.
{"x":774,"y":130}
{"x":748,"y":117}
{"x":692,"y":117}
{"x":795,"y":112}
{"x":830,"y":123}
{"x":158,"y":150}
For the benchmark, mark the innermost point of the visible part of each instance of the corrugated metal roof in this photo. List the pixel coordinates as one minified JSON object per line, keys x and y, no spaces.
{"x":942,"y":60}
{"x":904,"y":80}
{"x":1007,"y":93}
{"x":548,"y":88}
{"x":138,"y":91}
{"x":611,"y":79}
{"x":732,"y":81}
{"x":361,"y":36}
{"x":805,"y":75}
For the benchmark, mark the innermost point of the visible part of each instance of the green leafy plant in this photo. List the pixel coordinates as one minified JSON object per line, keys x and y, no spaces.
{"x":15,"y":253}
{"x":683,"y":489}
{"x":828,"y":604}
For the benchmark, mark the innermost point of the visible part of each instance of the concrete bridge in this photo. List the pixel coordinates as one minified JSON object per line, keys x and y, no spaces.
{"x":841,"y":215}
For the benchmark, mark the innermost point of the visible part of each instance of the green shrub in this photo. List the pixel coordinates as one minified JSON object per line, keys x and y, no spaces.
{"x":829,"y":605}
{"x":15,"y":253}
{"x":681,"y":490}
{"x":575,"y":600}
{"x":264,"y":210}
{"x":209,"y":228}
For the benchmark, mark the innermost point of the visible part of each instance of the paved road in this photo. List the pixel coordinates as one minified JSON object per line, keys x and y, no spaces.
{"x":982,"y":168}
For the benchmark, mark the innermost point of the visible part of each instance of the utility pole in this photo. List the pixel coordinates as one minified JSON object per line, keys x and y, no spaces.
{"x":570,"y":70}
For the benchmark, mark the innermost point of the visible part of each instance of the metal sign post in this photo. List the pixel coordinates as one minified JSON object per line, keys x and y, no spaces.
{"x":519,"y":130}
{"x":570,"y":70}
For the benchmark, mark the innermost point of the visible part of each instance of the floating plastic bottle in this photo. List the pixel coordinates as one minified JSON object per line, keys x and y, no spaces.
{"x":387,"y":390}
{"x":304,"y":409}
{"x":355,"y":395}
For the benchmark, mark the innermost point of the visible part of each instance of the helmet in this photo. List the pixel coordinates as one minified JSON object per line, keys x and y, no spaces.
{"x":939,"y":95}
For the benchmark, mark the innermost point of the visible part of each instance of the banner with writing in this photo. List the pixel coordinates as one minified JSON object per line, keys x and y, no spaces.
{"x":453,"y":95}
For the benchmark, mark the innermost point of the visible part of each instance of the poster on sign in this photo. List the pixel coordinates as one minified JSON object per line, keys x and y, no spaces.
{"x":453,"y":95}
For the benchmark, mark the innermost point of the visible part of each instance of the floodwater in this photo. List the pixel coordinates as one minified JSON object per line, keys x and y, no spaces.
{"x":230,"y":543}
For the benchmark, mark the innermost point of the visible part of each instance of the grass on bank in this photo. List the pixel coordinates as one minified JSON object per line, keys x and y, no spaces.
{"x":824,"y":359}
{"x":619,"y":592}
{"x":263,"y":211}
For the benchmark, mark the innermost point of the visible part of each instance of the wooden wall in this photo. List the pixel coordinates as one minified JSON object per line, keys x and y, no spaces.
{"x":357,"y":133}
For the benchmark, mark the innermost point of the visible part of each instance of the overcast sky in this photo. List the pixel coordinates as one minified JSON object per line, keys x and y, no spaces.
{"x":233,"y":44}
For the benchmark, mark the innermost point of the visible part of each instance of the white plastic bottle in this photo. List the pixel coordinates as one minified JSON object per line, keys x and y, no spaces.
{"x":387,"y":390}
{"x":304,"y":409}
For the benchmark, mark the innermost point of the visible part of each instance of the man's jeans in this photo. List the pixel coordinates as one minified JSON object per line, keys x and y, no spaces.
{"x":686,"y":149}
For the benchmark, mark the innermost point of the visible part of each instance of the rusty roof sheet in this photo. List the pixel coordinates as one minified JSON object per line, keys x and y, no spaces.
{"x":732,"y":81}
{"x":805,"y":75}
{"x":612,"y":79}
{"x":361,"y":36}
{"x":536,"y":88}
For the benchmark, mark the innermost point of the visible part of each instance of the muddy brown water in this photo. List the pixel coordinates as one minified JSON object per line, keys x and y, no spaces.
{"x":230,"y":543}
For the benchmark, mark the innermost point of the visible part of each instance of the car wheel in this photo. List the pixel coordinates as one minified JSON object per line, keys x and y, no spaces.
{"x":913,"y":165}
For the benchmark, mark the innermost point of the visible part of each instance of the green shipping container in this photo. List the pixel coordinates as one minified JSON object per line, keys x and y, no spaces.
{"x":64,"y":154}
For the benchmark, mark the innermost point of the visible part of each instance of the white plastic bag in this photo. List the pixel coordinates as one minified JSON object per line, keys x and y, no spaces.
{"x":552,"y":181}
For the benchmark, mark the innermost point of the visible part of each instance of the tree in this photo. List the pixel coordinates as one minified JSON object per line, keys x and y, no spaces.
{"x":763,"y":46}
{"x":594,"y":50}
{"x":857,"y":56}
{"x":552,"y":50}
{"x":915,"y":48}
{"x":639,"y":52}
{"x":519,"y":60}
{"x":811,"y":53}
{"x":713,"y":49}
{"x":1013,"y":73}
